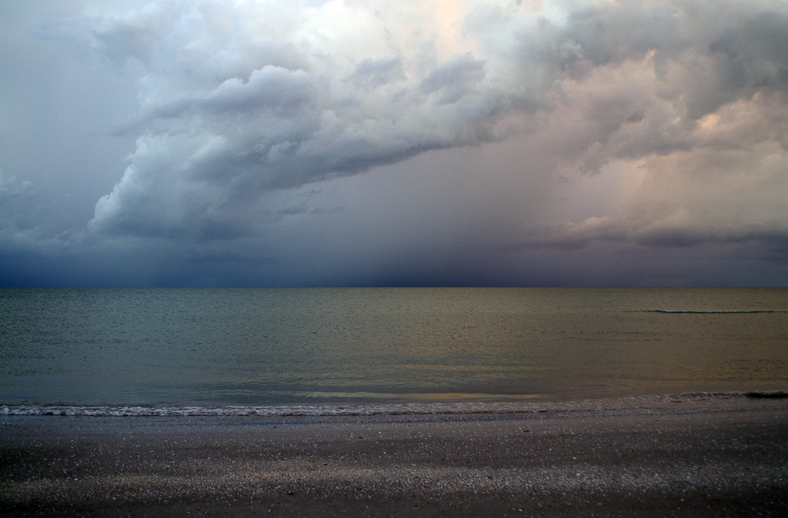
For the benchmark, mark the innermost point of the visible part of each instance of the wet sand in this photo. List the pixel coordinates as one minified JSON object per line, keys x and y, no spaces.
{"x":724,"y":455}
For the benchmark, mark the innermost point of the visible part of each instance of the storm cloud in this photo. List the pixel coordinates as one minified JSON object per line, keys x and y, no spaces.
{"x":434,"y":142}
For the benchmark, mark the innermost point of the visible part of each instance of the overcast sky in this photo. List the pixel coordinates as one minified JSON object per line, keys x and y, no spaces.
{"x":394,"y":142}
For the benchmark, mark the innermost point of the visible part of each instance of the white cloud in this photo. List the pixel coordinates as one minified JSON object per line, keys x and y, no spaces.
{"x":233,"y":105}
{"x":727,"y":182}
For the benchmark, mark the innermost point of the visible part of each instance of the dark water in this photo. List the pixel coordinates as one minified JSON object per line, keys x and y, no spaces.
{"x":304,"y":346}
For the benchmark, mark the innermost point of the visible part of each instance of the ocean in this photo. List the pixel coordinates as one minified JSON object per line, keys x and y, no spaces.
{"x":239,"y":348}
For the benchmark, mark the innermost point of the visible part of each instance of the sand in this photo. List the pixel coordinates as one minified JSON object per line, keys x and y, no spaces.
{"x":703,"y":455}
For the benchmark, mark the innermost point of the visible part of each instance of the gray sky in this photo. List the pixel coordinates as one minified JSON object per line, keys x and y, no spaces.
{"x":568,"y":143}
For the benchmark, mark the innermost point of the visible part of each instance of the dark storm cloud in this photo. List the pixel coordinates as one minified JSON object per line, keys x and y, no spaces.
{"x":583,"y":126}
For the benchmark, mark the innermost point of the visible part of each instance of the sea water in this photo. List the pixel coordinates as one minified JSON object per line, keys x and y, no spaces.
{"x":222,"y":348}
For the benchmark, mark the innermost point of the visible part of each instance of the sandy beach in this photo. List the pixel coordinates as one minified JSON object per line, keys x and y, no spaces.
{"x":689,"y":455}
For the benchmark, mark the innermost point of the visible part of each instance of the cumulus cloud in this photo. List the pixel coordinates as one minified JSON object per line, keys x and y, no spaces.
{"x":685,"y":117}
{"x":241,"y":98}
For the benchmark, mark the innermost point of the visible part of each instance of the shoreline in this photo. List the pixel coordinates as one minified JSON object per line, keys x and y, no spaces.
{"x":683,"y":454}
{"x":708,"y":399}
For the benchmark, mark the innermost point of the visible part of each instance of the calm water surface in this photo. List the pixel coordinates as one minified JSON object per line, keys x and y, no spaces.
{"x":293,"y":346}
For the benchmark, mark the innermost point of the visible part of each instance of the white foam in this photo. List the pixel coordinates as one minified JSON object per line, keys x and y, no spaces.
{"x":607,"y":404}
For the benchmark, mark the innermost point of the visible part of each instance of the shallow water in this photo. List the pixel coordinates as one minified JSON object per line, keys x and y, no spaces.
{"x":223,"y":347}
